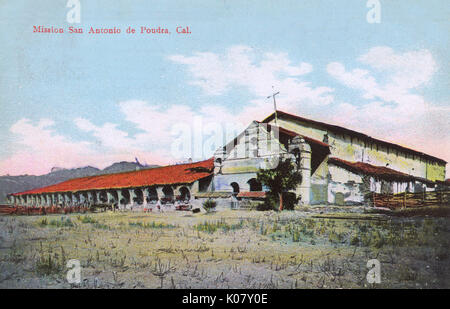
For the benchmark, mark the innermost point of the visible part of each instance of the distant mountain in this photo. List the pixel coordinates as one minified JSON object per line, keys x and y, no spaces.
{"x":124,"y":167}
{"x":12,"y":184}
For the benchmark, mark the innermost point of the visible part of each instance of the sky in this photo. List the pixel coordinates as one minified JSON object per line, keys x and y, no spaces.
{"x":71,"y":100}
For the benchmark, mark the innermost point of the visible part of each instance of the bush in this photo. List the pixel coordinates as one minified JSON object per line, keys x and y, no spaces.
{"x":63,"y":222}
{"x":354,"y":240}
{"x":272,"y":202}
{"x":267,"y":205}
{"x":152,"y":225}
{"x":47,"y":265}
{"x":290,"y":200}
{"x":209,"y":205}
{"x":405,"y":273}
{"x":211,"y":227}
{"x":43,"y":222}
{"x":86,"y":219}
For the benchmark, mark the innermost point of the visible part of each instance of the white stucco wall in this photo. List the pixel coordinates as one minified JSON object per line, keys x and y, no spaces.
{"x":346,"y":184}
{"x":350,"y":148}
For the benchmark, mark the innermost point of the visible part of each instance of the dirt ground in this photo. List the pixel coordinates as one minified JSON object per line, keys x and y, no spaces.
{"x":318,"y":248}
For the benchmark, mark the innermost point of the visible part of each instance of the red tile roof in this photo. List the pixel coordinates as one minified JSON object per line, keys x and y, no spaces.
{"x":254,"y":194}
{"x":335,"y":128}
{"x":369,"y":169}
{"x":166,"y":175}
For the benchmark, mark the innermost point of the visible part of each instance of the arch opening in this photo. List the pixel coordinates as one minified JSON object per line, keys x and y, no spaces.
{"x":95,"y":198}
{"x":235,"y":187}
{"x":168,"y":195}
{"x":185,"y":195}
{"x":138,"y":196}
{"x":103,"y":197}
{"x":125,"y":200}
{"x":84,"y":198}
{"x":152,"y":195}
{"x":115,"y":197}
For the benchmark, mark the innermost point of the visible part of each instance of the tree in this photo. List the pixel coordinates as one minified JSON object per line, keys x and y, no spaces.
{"x":282,"y":178}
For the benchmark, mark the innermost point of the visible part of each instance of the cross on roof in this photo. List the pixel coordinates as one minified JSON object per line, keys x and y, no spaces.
{"x":274,"y":103}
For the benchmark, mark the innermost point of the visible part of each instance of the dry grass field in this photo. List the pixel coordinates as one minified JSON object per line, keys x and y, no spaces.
{"x":228,"y":249}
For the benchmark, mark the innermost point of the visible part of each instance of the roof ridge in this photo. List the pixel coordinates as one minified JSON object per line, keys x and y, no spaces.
{"x":268,"y":118}
{"x":103,"y":178}
{"x":356,"y":165}
{"x":140,"y":170}
{"x":298,"y":134}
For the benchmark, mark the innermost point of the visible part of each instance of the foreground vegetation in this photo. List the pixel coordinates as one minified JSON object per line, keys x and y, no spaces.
{"x":229,"y":249}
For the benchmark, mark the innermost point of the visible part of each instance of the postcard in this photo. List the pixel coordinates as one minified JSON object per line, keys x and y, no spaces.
{"x":206,"y":146}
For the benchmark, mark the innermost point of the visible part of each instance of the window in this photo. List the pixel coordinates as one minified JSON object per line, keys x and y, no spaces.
{"x":235,"y":187}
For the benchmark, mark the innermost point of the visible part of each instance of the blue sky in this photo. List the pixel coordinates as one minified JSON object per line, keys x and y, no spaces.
{"x":70,"y":100}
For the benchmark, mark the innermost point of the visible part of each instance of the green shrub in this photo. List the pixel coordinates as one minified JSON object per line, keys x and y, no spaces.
{"x":209,"y":205}
{"x":354,"y":241}
{"x":365,"y":240}
{"x":296,"y":235}
{"x":290,"y":200}
{"x":405,"y":273}
{"x":262,"y":229}
{"x":62,"y":222}
{"x":43,"y":222}
{"x":211,"y":227}
{"x":334,"y":237}
{"x":47,"y":265}
{"x":269,"y":204}
{"x":378,"y":240}
{"x":101,"y":226}
{"x":272,"y":202}
{"x":152,"y":225}
{"x":86,"y":219}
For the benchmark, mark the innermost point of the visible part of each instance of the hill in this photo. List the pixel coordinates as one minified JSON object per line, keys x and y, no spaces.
{"x":11,"y":184}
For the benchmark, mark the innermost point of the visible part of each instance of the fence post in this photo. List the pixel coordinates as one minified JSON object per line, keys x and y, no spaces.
{"x":404,"y":199}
